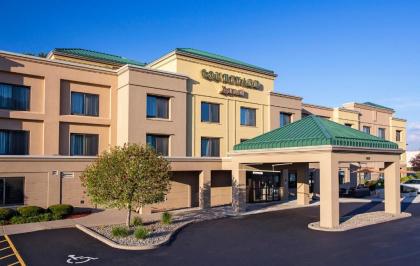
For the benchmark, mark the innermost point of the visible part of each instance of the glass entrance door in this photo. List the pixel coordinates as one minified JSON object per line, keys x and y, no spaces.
{"x":263,"y":186}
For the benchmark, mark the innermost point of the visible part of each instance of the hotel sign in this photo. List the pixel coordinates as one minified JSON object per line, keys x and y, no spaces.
{"x":231,"y":79}
{"x":233,"y":92}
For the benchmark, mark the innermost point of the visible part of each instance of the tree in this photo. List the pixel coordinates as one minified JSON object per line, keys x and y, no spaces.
{"x":127,"y":177}
{"x":415,"y":162}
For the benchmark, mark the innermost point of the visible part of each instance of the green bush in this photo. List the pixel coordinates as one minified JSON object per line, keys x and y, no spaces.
{"x":32,"y":219}
{"x":29,"y":211}
{"x":141,"y":232}
{"x":6,"y":214}
{"x":137,"y":221}
{"x":61,"y":210}
{"x":372,"y":184}
{"x":166,"y":218}
{"x":120,"y":231}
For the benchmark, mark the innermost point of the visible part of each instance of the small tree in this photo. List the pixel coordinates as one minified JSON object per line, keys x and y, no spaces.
{"x":127,"y":177}
{"x":415,"y":162}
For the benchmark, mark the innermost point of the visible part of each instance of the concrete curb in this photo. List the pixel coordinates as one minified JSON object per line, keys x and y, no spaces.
{"x":113,"y":244}
{"x":315,"y":226}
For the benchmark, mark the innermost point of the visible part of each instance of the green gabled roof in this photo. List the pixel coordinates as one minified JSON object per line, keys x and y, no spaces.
{"x":224,"y":59}
{"x":89,"y":54}
{"x":378,"y":106}
{"x":314,"y":131}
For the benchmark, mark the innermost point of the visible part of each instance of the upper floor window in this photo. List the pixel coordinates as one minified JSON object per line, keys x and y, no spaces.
{"x":398,"y":135}
{"x":348,"y":125}
{"x":159,"y":142}
{"x":248,"y":116}
{"x":242,"y":140}
{"x":381,"y":133}
{"x":84,"y":144}
{"x":210,"y":112}
{"x":285,"y":119}
{"x":14,"y":142}
{"x":210,"y":147}
{"x":84,"y":104}
{"x":157,"y":107}
{"x":14,"y":97}
{"x":366,"y":129}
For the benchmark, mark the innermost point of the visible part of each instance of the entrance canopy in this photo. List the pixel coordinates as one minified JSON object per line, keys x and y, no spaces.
{"x":314,"y":131}
{"x":318,"y":140}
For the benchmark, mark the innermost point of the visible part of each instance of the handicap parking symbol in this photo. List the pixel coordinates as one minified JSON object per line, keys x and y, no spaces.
{"x":73,"y":259}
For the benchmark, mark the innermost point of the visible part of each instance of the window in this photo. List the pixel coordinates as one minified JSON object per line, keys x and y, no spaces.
{"x":159,"y":142}
{"x":84,"y":104}
{"x":348,"y":125}
{"x":398,"y":135}
{"x":157,"y":107}
{"x":242,"y":140}
{"x":381,"y":133}
{"x":14,"y":142}
{"x":248,"y":116}
{"x":209,"y":112}
{"x":341,"y":175}
{"x":83,"y":144}
{"x":366,"y":129}
{"x":210,"y":147}
{"x":11,"y":190}
{"x":14,"y":97}
{"x":285,"y":119}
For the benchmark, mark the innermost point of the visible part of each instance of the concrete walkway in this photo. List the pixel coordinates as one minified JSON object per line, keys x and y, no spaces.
{"x":114,"y":216}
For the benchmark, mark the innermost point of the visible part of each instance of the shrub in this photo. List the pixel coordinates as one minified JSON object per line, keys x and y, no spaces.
{"x":32,"y":219}
{"x":29,"y":211}
{"x":120,"y":231}
{"x":166,"y":218}
{"x":141,"y":232}
{"x":137,"y":221}
{"x":61,"y":210}
{"x":6,"y":214}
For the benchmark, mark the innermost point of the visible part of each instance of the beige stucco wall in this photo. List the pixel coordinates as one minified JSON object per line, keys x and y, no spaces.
{"x":286,"y":104}
{"x":228,"y":129}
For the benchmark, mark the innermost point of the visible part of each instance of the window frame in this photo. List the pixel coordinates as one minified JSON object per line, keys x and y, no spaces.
{"x":398,"y":134}
{"x":13,"y":107}
{"x":255,"y":116}
{"x":71,"y":152}
{"x":168,"y":137}
{"x":26,"y":140}
{"x":210,"y":112}
{"x":290,"y":115}
{"x":366,"y":127}
{"x":381,"y":129}
{"x":211,"y":154}
{"x":84,"y":94}
{"x":167,"y":98}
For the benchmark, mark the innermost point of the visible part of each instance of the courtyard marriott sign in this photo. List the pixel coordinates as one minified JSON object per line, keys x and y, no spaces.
{"x":231,"y":79}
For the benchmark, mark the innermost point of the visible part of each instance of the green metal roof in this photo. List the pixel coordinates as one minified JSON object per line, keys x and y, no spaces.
{"x":378,"y":106}
{"x":224,"y":59}
{"x":89,"y":54}
{"x":314,"y":131}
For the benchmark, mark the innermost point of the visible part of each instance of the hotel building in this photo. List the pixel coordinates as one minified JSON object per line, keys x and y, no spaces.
{"x":200,"y":110}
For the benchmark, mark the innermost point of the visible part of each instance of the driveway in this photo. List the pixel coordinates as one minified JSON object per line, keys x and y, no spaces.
{"x":275,"y":238}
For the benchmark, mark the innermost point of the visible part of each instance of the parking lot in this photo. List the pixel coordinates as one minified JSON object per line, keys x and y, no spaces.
{"x":275,"y":238}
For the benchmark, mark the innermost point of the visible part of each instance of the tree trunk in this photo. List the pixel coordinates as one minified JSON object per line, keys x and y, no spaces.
{"x":127,"y":222}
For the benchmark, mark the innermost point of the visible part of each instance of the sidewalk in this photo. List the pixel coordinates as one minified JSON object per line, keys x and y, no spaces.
{"x":114,"y":216}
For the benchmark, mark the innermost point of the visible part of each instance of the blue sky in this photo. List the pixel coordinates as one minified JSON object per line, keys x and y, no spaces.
{"x":329,"y":52}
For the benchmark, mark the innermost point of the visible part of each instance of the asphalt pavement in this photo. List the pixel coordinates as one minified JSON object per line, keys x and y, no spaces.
{"x":275,"y":238}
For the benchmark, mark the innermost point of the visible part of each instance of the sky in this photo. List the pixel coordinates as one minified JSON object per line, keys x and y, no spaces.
{"x":328,"y":52}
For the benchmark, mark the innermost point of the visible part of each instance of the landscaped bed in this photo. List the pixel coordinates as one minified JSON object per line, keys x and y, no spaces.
{"x":33,"y":214}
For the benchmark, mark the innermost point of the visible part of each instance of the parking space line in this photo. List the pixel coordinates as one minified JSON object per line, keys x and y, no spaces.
{"x":15,"y":263}
{"x":2,"y":258}
{"x":4,"y":248}
{"x":15,"y":252}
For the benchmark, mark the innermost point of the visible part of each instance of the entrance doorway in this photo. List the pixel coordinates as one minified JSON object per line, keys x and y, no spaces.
{"x":263,"y":186}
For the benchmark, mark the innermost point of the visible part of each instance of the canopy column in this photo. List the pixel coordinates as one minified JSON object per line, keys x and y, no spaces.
{"x":303,"y":184}
{"x":205,"y":189}
{"x":392,"y":188}
{"x":238,"y":187}
{"x":329,"y":196}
